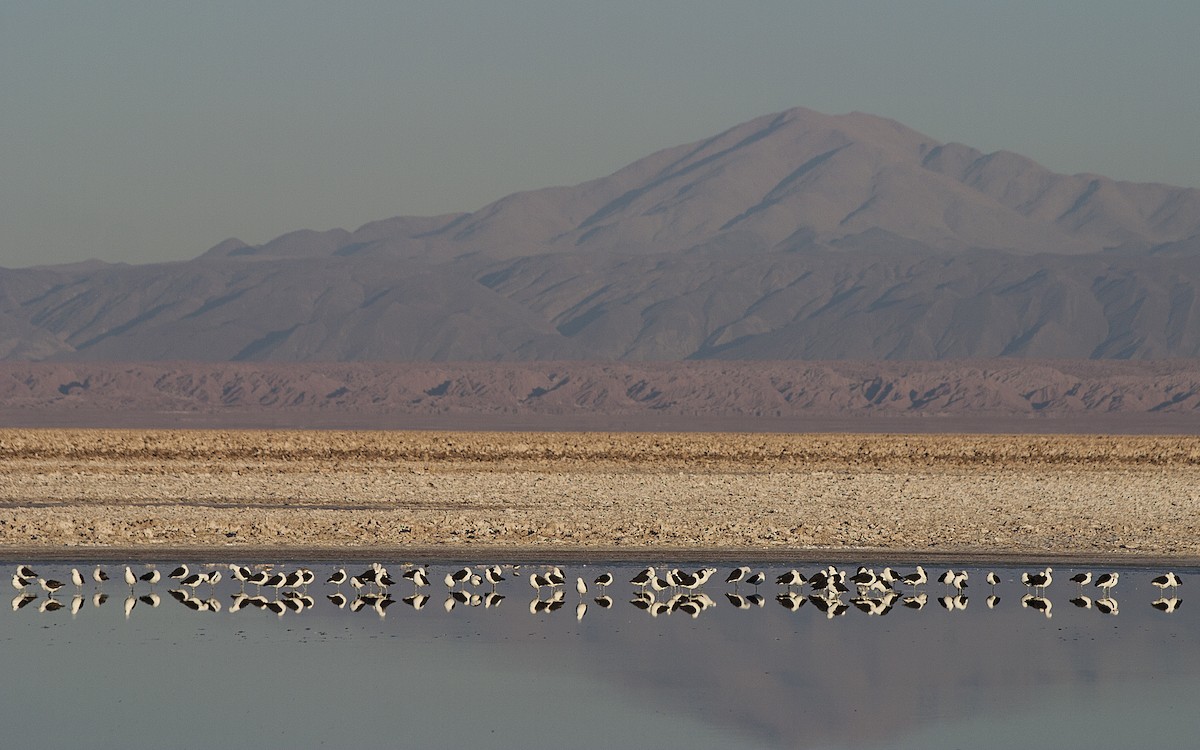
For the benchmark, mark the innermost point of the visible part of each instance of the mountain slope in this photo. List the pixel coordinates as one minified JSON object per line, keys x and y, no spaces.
{"x":793,"y":236}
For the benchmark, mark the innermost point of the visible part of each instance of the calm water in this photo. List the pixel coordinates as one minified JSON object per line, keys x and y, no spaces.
{"x":505,"y":676}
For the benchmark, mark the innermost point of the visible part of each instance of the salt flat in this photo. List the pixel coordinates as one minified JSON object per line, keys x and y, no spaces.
{"x":1036,"y":495}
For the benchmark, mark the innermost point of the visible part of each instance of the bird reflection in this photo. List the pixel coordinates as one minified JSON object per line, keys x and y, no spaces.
{"x":1040,"y":603}
{"x":660,"y":591}
{"x":791,"y":601}
{"x":416,"y":601}
{"x":22,"y":600}
{"x":1168,"y":606}
{"x":915,"y":602}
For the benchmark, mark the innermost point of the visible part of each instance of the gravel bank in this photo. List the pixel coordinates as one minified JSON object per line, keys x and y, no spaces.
{"x":1012,"y":495}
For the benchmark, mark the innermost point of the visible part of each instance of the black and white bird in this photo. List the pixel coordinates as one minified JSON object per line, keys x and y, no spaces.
{"x":20,"y":583}
{"x":338,"y":578}
{"x":915,"y":579}
{"x":702,"y":575}
{"x":493,"y":576}
{"x":1167,"y":580}
{"x":240,"y":573}
{"x":1039,"y":582}
{"x":180,"y":572}
{"x":151,"y":576}
{"x":644,"y":577}
{"x":791,"y":578}
{"x":1082,"y":579}
{"x":756,"y":579}
{"x":992,"y":579}
{"x":603,"y":581}
{"x":1107,"y":581}
{"x":417,"y":575}
{"x":1107,"y":606}
{"x":459,"y":577}
{"x":24,"y":571}
{"x":959,"y":582}
{"x":77,"y":578}
{"x":99,"y":576}
{"x":737,"y":575}
{"x":538,"y":581}
{"x":50,"y":586}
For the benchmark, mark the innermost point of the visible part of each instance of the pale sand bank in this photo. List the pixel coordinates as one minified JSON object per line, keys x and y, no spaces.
{"x":775,"y":495}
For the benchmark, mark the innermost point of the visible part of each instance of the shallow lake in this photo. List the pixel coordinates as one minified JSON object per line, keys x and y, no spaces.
{"x":215,"y":668}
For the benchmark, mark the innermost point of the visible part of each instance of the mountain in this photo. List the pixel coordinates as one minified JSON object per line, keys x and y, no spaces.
{"x":796,"y":235}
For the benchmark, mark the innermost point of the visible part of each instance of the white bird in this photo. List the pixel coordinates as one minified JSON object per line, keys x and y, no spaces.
{"x":99,"y":576}
{"x":99,"y":598}
{"x":580,"y":587}
{"x":580,"y":610}
{"x":992,"y":579}
{"x":130,"y":578}
{"x":130,"y":603}
{"x":77,"y":579}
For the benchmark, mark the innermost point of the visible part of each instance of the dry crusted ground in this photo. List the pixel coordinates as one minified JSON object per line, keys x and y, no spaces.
{"x":319,"y":490}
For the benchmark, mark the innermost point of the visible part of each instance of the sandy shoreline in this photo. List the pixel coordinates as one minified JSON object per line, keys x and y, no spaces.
{"x":96,"y":493}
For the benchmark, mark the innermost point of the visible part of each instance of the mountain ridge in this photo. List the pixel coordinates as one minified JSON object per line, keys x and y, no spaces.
{"x":795,"y":235}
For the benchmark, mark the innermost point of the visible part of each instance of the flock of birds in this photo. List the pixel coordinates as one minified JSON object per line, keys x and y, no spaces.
{"x":657,"y":591}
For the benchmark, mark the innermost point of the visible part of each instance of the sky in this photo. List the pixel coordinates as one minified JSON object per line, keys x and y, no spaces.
{"x":149,"y":131}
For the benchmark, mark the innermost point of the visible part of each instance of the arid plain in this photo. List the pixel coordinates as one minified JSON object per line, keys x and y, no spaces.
{"x":348,"y":493}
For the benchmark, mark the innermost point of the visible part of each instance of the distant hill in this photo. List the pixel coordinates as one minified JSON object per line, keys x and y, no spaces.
{"x":985,"y":396}
{"x":795,"y":236}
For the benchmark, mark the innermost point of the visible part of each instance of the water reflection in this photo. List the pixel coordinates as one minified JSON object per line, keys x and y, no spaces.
{"x":680,"y":657}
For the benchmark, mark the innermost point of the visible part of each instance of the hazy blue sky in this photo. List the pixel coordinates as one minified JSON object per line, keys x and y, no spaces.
{"x":138,"y":131}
